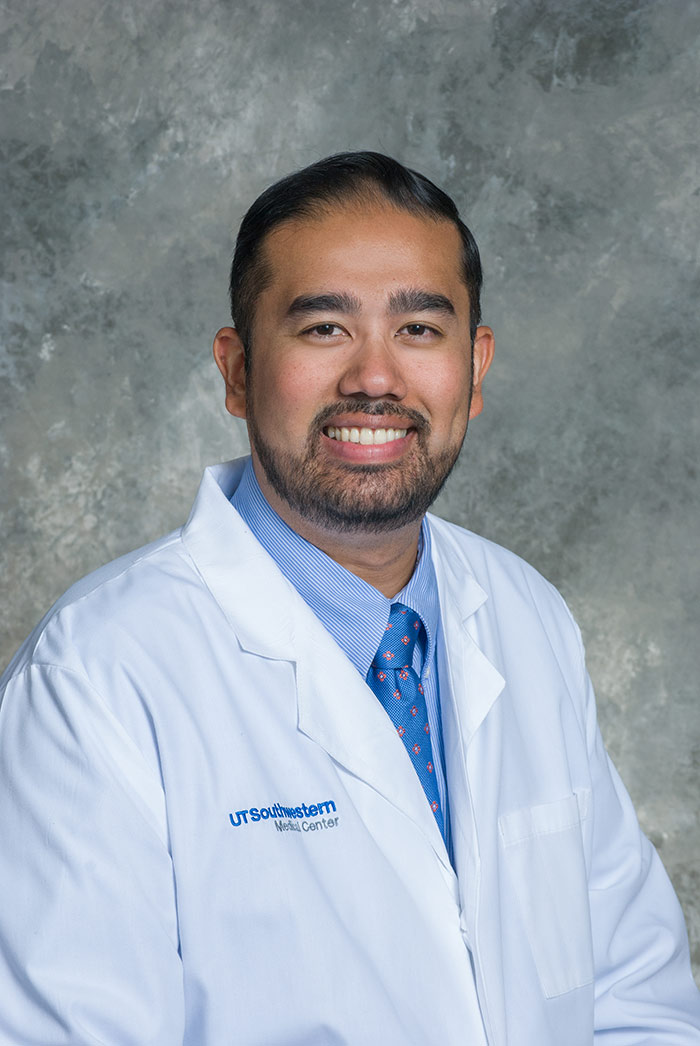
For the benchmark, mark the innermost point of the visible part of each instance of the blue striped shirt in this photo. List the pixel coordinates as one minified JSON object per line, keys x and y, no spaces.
{"x":353,"y":611}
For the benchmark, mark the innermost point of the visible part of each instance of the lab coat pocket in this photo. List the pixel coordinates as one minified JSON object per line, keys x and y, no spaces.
{"x":544,"y":854}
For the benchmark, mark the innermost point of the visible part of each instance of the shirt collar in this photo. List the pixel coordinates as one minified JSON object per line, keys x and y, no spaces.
{"x":353,"y":611}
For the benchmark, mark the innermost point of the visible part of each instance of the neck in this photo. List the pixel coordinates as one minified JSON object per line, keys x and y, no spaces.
{"x":385,"y":560}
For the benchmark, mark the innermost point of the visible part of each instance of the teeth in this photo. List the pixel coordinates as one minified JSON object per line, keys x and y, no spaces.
{"x":368,"y":437}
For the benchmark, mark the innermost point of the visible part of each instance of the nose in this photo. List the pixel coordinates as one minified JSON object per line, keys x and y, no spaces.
{"x":374,"y":370}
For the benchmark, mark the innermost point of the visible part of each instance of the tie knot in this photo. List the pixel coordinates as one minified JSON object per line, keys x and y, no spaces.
{"x":399,"y":640}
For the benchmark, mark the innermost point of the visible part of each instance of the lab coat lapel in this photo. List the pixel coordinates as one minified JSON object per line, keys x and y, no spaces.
{"x":335,"y":707}
{"x":475,"y":683}
{"x":470,"y":684}
{"x":339,"y":711}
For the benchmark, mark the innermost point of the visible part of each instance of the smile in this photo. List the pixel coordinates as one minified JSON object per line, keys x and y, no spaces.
{"x":368,"y":437}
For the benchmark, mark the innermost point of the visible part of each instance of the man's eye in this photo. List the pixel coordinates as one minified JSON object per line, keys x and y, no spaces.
{"x":418,"y":330}
{"x":324,"y":330}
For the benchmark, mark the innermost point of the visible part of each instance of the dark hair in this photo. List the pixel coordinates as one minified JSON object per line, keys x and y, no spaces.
{"x":335,"y":180}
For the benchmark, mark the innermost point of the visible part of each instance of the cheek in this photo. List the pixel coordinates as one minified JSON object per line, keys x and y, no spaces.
{"x":286,"y":396}
{"x":447,"y":395}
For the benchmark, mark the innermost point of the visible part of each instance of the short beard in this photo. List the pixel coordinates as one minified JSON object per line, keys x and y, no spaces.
{"x":350,"y":498}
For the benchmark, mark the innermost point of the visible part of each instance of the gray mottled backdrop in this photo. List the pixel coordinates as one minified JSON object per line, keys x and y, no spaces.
{"x":136,"y":133}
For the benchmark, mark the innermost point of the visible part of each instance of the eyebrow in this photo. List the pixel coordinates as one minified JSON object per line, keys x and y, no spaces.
{"x":407,"y":299}
{"x":347,"y":304}
{"x":412,"y":299}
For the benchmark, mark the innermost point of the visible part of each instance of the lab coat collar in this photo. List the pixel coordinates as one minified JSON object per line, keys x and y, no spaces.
{"x":237,"y":570}
{"x":335,"y":707}
{"x":475,"y":683}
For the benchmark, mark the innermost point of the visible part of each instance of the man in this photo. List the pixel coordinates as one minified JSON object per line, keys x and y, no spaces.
{"x":318,"y":768}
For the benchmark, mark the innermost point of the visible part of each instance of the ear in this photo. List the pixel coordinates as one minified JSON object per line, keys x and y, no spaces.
{"x":230,"y":359}
{"x":484,"y":346}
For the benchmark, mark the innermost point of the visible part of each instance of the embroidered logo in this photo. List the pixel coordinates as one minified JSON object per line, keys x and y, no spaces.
{"x":277,"y":810}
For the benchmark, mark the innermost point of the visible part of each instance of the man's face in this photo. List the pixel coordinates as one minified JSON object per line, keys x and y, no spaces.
{"x":360,"y":381}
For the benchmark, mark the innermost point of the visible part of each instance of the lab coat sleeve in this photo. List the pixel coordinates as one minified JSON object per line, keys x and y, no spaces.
{"x":644,"y":991}
{"x":88,"y":930}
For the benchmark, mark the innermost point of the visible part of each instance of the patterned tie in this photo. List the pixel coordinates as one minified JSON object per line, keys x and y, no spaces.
{"x":397,"y":686}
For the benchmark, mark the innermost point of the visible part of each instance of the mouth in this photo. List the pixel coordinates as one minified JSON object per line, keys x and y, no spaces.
{"x":368,"y":437}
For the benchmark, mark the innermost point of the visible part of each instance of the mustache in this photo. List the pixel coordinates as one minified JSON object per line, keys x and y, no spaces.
{"x":375,"y":408}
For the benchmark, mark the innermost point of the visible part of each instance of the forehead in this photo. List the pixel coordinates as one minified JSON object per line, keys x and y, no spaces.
{"x":370,"y":249}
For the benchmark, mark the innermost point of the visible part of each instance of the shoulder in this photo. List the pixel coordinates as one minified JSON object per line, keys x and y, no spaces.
{"x":150,"y":606}
{"x":119,"y":597}
{"x":488,"y":562}
{"x":513,"y":590}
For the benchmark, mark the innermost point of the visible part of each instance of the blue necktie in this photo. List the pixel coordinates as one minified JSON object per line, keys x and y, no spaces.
{"x":392,"y":678}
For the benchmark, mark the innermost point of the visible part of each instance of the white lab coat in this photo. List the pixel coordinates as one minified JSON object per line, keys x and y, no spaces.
{"x":176,"y":693}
